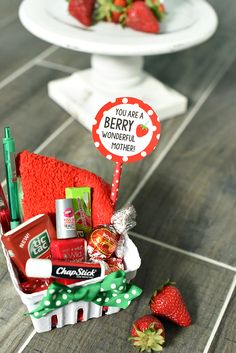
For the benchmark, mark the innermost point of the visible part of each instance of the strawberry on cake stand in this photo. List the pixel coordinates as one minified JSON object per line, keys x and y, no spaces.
{"x":117,"y":54}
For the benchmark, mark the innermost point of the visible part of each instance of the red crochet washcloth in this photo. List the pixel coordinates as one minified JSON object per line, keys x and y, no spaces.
{"x":44,"y":180}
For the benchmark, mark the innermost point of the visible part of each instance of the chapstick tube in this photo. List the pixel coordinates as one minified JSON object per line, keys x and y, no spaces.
{"x":46,"y":268}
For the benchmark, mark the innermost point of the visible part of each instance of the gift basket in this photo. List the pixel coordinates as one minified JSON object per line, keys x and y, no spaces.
{"x":66,"y":246}
{"x":76,"y":311}
{"x":38,"y":227}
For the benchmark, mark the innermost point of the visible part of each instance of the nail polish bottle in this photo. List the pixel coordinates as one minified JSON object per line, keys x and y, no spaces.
{"x":68,"y":246}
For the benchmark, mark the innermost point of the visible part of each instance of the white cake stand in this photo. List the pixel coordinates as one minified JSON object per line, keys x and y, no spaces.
{"x":117,"y":60}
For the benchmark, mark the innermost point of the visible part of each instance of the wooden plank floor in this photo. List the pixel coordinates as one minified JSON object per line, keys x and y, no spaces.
{"x":109,"y":334}
{"x":184,"y":192}
{"x":204,"y":176}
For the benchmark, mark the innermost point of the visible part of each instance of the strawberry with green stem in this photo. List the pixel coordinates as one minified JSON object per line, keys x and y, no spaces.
{"x":116,"y":15}
{"x":110,"y":10}
{"x":140,"y":17}
{"x":148,"y":334}
{"x":157,"y":7}
{"x":82,"y":10}
{"x":168,"y":302}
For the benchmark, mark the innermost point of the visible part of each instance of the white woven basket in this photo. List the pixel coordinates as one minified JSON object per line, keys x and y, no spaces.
{"x":68,"y":314}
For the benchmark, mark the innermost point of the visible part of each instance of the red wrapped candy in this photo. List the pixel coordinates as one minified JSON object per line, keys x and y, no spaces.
{"x":102,"y":243}
{"x":115,"y":264}
{"x":32,"y":285}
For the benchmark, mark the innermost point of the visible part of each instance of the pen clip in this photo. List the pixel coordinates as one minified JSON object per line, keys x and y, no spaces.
{"x":13,"y":167}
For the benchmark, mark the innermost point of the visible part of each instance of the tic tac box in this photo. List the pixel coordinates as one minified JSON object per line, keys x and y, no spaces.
{"x":31,"y":239}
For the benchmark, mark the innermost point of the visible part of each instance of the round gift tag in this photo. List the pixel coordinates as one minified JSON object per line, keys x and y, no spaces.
{"x":126,"y":130}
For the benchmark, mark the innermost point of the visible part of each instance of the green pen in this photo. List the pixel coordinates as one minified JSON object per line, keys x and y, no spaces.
{"x":11,"y":177}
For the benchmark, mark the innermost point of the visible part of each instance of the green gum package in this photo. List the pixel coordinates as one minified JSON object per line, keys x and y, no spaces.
{"x":81,"y":200}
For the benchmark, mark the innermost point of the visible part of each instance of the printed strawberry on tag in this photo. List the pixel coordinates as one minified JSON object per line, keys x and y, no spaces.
{"x":141,"y":130}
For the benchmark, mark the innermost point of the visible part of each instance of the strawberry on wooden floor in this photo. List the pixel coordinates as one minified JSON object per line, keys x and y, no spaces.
{"x":168,"y":302}
{"x":147,"y":334}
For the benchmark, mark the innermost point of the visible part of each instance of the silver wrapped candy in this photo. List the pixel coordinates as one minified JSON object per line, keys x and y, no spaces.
{"x":124,"y":219}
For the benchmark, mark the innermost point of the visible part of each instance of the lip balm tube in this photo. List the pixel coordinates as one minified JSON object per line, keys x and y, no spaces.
{"x":67,"y":247}
{"x":45,"y":268}
{"x":65,"y":219}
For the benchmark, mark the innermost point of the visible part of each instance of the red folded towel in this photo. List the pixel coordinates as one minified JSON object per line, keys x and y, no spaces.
{"x":44,"y":180}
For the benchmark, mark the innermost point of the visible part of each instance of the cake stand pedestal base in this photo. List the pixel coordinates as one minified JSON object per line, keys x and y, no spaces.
{"x":83,"y":93}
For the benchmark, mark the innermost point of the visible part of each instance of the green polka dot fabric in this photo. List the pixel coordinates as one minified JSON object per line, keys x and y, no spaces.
{"x":112,"y":291}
